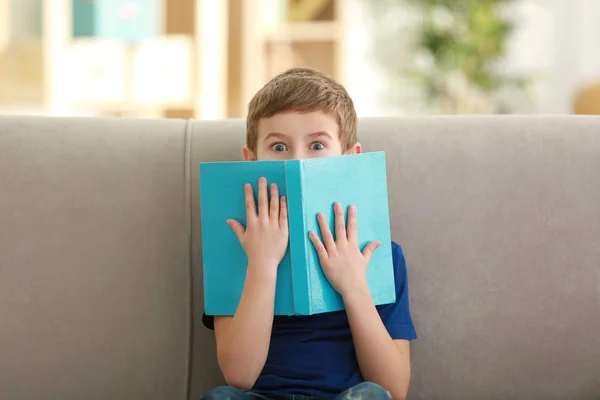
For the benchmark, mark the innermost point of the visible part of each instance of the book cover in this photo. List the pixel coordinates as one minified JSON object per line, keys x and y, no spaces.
{"x":311,"y":186}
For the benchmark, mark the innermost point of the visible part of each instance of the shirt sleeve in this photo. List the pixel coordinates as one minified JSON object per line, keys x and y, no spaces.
{"x":396,"y":316}
{"x":208,"y":321}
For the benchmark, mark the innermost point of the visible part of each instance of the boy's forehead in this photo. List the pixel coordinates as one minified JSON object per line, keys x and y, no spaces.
{"x":298,"y":125}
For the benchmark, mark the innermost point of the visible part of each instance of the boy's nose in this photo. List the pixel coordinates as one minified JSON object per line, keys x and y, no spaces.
{"x":298,"y":154}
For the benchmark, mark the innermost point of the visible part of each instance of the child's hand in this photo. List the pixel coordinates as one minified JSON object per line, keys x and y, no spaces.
{"x":344,"y":265}
{"x":265,"y":238}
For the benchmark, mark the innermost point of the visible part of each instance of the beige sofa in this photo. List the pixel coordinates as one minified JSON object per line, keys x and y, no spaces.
{"x":100,"y":254}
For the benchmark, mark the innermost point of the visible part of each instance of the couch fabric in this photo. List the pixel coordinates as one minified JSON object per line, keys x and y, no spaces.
{"x":100,"y":254}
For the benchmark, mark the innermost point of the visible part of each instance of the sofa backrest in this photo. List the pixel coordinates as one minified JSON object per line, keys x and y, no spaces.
{"x":101,"y":272}
{"x":94,"y":259}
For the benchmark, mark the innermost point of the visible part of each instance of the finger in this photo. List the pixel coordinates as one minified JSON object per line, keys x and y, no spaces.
{"x":352,"y":234}
{"x":274,"y":209}
{"x":250,"y":203}
{"x":237,"y":228}
{"x":326,"y":233}
{"x":370,"y":249}
{"x":263,"y":199}
{"x":340,"y":224}
{"x":321,"y":250}
{"x":283,"y":213}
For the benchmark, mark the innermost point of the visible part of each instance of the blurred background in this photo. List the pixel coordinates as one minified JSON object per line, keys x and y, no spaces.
{"x":204,"y":59}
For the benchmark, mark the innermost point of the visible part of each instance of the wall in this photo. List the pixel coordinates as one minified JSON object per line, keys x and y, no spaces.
{"x":576,"y":55}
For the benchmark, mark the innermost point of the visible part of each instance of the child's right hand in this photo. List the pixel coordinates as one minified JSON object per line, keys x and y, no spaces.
{"x":265,"y":237}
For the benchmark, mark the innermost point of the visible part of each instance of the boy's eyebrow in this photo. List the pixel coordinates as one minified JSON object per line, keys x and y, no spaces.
{"x":282,"y":136}
{"x":321,"y":133}
{"x":275,"y":135}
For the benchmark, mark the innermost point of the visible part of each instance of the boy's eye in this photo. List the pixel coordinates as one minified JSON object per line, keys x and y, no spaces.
{"x":317,"y":146}
{"x":279,"y":147}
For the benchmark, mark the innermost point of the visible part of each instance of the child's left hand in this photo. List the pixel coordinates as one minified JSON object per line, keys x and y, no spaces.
{"x":344,"y":265}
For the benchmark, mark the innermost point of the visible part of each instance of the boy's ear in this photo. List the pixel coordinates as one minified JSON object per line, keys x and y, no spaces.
{"x":248,"y":154}
{"x":355,"y":149}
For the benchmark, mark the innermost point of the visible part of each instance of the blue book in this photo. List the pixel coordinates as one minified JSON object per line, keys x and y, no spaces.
{"x":311,"y":186}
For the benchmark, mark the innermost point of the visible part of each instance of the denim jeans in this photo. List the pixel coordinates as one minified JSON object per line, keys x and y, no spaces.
{"x":362,"y":391}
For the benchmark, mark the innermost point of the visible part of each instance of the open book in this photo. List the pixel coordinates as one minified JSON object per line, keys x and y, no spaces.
{"x":311,"y":186}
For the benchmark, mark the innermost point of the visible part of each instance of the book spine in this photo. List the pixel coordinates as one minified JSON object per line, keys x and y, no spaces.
{"x":298,"y":237}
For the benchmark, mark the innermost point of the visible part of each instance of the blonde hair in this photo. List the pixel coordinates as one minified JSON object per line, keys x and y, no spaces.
{"x":302,"y":90}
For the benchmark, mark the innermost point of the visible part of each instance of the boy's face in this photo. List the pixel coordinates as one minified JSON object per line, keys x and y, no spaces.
{"x":293,"y":135}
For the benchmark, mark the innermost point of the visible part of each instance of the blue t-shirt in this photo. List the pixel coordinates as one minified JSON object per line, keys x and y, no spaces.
{"x":314,"y":355}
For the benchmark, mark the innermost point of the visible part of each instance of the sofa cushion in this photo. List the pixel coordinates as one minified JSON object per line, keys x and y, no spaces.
{"x":93,"y":259}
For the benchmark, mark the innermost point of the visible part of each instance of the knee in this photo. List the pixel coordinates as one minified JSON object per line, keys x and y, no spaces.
{"x":223,"y":393}
{"x":368,"y":391}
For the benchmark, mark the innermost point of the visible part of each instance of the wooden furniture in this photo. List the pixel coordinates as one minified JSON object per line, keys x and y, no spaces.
{"x":587,"y":100}
{"x":236,"y":47}
{"x":303,"y":33}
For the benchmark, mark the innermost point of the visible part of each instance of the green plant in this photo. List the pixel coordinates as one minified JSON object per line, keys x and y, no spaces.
{"x":458,"y":47}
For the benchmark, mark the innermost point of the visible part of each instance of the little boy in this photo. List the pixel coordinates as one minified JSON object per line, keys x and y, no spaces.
{"x":361,"y":352}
